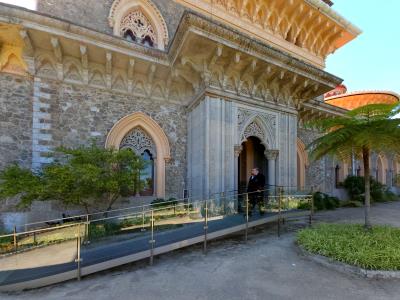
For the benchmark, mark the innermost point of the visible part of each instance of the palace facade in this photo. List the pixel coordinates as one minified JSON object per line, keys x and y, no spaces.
{"x":203,"y":89}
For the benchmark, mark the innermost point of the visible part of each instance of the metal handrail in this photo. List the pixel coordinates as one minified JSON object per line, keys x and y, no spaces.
{"x":275,"y":188}
{"x":138,"y":213}
{"x":139,"y":207}
{"x":82,"y":216}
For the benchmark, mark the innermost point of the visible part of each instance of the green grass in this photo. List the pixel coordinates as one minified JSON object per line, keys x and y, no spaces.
{"x":378,"y":249}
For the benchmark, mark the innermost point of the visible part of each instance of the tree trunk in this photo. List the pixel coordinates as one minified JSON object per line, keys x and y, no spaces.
{"x":367,"y":203}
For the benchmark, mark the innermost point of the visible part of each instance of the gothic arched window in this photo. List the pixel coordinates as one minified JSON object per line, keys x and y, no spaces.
{"x":141,"y":143}
{"x":136,"y":27}
{"x":139,"y":21}
{"x":147,"y":175}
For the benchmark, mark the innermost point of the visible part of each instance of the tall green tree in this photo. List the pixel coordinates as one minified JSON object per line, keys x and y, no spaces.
{"x":371,"y":128}
{"x":86,"y":176}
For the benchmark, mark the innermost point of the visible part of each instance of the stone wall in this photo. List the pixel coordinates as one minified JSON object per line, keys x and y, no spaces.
{"x":94,"y":13}
{"x":15,"y":120}
{"x":320,"y":174}
{"x":81,"y":113}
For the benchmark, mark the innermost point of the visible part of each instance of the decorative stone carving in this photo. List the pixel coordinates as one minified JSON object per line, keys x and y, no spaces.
{"x":238,"y":149}
{"x":254,"y":130}
{"x":244,"y":115}
{"x":289,"y":31}
{"x":138,"y":141}
{"x":249,"y":126}
{"x":11,"y":50}
{"x":271,"y":154}
{"x":141,"y":15}
{"x":139,"y":25}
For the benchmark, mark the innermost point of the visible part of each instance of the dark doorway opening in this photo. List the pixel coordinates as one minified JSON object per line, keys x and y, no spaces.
{"x":252,"y":156}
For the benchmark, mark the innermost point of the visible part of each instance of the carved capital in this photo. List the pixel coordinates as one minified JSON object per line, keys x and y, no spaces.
{"x":271,"y":154}
{"x":238,"y":149}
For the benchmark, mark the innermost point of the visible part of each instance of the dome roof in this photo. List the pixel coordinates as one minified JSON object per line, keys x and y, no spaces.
{"x":357,"y":99}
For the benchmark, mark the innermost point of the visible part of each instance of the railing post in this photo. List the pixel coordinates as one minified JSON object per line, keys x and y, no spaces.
{"x":247,"y":217}
{"x":78,"y":252}
{"x":311,"y":206}
{"x":87,"y":230}
{"x":205,"y":228}
{"x":15,"y":239}
{"x":143,"y":217}
{"x":152,"y":241}
{"x":279,"y":210}
{"x":222,"y":199}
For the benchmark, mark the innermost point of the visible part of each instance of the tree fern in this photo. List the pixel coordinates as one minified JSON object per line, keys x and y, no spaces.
{"x":373,"y":127}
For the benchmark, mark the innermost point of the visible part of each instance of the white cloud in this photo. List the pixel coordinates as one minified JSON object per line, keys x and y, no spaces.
{"x":30,"y":4}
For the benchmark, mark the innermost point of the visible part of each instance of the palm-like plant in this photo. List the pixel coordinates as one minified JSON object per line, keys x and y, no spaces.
{"x":369,"y":128}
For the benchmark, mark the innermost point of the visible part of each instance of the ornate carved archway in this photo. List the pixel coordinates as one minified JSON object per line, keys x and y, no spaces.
{"x":256,"y":127}
{"x":161,"y":144}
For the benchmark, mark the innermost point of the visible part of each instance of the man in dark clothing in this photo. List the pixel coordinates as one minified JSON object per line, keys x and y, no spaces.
{"x":255,"y":188}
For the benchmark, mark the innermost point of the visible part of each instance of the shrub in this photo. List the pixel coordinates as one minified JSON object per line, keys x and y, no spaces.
{"x":356,"y":189}
{"x":86,"y":176}
{"x":160,"y":202}
{"x":98,"y":230}
{"x":324,"y":201}
{"x":304,"y":205}
{"x":351,"y":203}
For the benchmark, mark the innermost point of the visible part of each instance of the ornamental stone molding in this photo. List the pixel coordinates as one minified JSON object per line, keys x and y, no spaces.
{"x":257,"y":124}
{"x":254,"y":129}
{"x":229,"y":63}
{"x":11,"y":50}
{"x":271,"y":154}
{"x":125,"y":13}
{"x":140,"y":123}
{"x":238,"y":149}
{"x":139,"y":141}
{"x":296,"y":26}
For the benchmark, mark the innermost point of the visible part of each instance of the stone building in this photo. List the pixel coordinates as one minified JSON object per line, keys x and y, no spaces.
{"x":204,"y":89}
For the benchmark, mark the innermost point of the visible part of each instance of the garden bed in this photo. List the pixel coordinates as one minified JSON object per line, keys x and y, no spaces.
{"x":378,"y":249}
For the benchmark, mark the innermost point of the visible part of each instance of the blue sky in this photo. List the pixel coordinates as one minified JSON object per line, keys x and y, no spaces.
{"x":372,"y":60}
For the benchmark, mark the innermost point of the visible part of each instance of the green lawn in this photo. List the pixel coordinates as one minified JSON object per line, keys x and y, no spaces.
{"x":349,"y":243}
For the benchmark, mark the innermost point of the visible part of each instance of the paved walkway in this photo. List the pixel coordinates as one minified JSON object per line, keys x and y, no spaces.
{"x":267,"y":267}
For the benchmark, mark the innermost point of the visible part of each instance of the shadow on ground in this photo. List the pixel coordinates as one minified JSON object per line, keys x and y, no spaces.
{"x":266,"y":267}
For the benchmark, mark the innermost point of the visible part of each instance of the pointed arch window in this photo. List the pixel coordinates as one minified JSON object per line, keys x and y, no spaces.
{"x":142,"y":144}
{"x":139,"y":21}
{"x":136,"y":27}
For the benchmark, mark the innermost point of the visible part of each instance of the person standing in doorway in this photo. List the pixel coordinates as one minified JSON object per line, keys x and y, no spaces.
{"x":255,"y":188}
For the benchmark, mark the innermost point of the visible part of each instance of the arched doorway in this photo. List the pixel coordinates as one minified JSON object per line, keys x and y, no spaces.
{"x":251,"y":156}
{"x":302,"y":164}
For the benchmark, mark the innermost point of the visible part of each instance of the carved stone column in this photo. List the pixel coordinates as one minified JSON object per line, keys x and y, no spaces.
{"x":238,"y":149}
{"x":272,"y":156}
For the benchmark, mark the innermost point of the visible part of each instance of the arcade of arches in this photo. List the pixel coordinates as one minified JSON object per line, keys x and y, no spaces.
{"x":383,"y":170}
